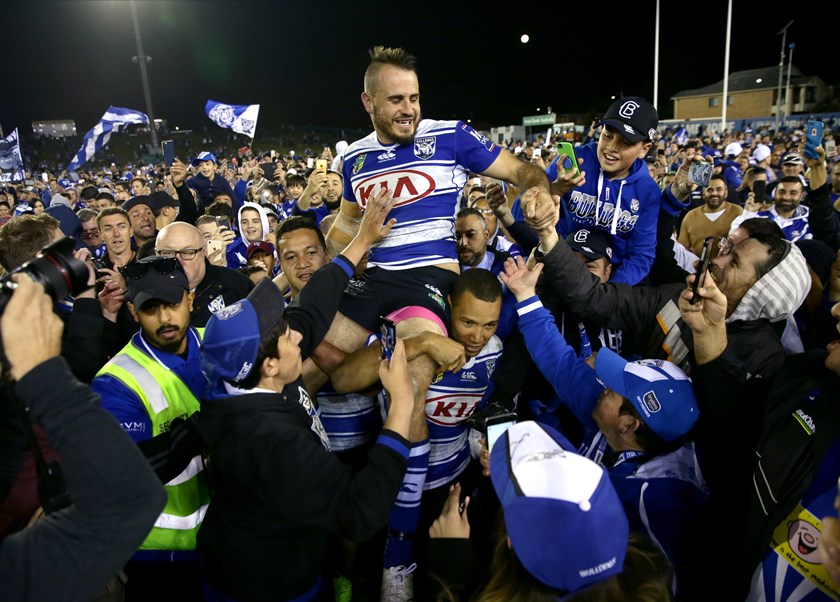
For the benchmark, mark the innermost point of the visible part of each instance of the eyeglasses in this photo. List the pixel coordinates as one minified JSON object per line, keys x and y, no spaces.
{"x":137,"y":270}
{"x":88,"y":234}
{"x":185,"y":254}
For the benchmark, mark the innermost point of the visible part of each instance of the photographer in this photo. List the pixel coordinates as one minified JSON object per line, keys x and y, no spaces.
{"x":72,"y":553}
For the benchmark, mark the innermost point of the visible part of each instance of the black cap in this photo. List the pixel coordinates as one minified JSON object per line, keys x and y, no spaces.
{"x":155,"y":284}
{"x":142,"y":199}
{"x":161,"y":199}
{"x":634,"y":118}
{"x":594,"y":244}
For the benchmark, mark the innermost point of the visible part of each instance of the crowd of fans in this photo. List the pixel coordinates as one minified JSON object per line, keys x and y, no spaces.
{"x":672,"y":426}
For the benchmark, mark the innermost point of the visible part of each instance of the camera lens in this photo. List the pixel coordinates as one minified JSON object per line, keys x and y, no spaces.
{"x":55,"y":268}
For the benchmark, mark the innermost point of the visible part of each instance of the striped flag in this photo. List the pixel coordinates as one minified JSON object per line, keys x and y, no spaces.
{"x":11,"y":163}
{"x":115,"y":119}
{"x":681,"y":136}
{"x":242,"y":119}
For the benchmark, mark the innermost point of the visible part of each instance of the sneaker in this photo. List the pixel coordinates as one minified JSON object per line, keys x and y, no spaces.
{"x":343,"y":589}
{"x":398,"y":583}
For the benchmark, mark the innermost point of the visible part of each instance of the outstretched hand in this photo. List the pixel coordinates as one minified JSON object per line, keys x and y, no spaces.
{"x":519,"y":279}
{"x":373,"y":227}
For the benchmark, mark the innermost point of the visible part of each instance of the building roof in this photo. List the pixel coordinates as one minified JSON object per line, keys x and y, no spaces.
{"x":744,"y":81}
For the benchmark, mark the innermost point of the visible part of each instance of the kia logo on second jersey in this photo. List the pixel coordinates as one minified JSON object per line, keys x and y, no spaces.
{"x":406,"y":186}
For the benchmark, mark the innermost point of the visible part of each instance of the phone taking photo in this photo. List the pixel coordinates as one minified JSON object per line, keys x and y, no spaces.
{"x":813,"y":138}
{"x":700,"y":275}
{"x":387,"y":337}
{"x":570,"y":162}
{"x":223,"y":222}
{"x":759,"y":189}
{"x":168,"y":147}
{"x":496,"y":425}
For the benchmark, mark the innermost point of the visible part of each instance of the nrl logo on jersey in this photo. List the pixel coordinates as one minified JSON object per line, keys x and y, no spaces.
{"x":424,"y":148}
{"x":406,"y":186}
{"x":358,"y":163}
{"x":388,"y":155}
{"x":634,"y":205}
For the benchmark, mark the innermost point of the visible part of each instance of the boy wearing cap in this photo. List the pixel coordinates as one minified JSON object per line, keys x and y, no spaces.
{"x":153,"y":381}
{"x":207,"y":183}
{"x":615,"y":192}
{"x":279,"y":493}
{"x":636,"y":418}
{"x":261,"y":254}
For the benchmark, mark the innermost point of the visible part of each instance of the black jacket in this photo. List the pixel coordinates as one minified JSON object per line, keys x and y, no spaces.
{"x":650,"y":319}
{"x":218,"y":281}
{"x":278,"y":494}
{"x":757,"y":455}
{"x":72,"y":553}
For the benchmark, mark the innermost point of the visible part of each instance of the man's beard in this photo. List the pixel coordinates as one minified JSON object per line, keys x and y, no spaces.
{"x":387,"y":127}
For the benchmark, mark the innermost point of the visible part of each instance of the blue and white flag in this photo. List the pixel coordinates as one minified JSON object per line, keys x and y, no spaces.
{"x":115,"y":119}
{"x":11,"y":163}
{"x":681,"y":136}
{"x":242,"y":119}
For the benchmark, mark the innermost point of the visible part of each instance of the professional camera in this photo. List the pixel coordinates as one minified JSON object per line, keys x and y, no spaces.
{"x":55,"y":268}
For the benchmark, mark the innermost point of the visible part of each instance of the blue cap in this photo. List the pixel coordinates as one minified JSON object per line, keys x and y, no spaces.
{"x":562,"y":513}
{"x":658,"y":389}
{"x":233,"y":334}
{"x":204,"y":156}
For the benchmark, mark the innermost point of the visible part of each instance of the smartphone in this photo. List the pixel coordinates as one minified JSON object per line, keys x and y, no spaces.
{"x":310,"y":163}
{"x":214,"y":246}
{"x":321,"y":165}
{"x":223,"y":222}
{"x":570,"y":162}
{"x":830,"y":146}
{"x":700,"y":173}
{"x":268,"y":170}
{"x":168,"y":147}
{"x":496,"y":425}
{"x":759,"y":189}
{"x":387,"y":337}
{"x":813,"y":139}
{"x":273,"y":153}
{"x":45,"y":177}
{"x":705,"y":257}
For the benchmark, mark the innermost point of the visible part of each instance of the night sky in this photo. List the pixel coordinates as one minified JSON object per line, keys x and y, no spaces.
{"x":303,"y":62}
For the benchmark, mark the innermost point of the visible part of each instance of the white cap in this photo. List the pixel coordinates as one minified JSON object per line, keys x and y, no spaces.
{"x":732,"y":149}
{"x":761,"y":152}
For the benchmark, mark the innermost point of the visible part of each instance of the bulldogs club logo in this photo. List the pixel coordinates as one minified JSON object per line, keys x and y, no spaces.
{"x":424,"y":148}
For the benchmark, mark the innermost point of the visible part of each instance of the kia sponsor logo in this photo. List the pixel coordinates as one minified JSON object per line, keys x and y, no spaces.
{"x":406,"y":186}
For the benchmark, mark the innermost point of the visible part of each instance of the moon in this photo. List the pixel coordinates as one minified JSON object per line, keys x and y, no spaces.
{"x":524,"y":39}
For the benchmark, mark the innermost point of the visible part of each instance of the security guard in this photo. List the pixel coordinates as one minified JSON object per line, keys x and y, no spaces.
{"x":154,"y":380}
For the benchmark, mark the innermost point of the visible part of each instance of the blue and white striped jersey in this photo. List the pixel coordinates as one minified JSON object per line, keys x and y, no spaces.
{"x":451,"y":399}
{"x":350,"y":419}
{"x":426,"y":179}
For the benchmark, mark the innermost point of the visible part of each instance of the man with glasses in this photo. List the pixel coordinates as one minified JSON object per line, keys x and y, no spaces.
{"x":215,"y":287}
{"x":153,"y":381}
{"x":90,"y":232}
{"x":763,"y":277}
